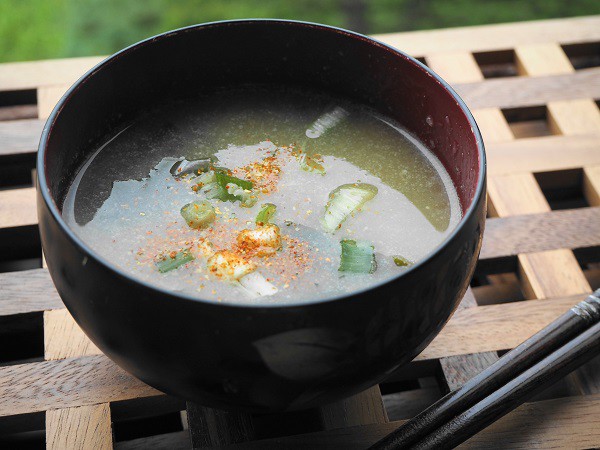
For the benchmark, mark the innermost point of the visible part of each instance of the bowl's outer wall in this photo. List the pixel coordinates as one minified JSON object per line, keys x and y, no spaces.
{"x":260,"y":358}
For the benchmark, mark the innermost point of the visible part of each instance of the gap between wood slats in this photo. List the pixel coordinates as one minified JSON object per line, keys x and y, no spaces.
{"x":86,"y":380}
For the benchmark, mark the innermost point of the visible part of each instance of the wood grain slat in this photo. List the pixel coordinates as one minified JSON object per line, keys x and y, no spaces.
{"x":48,"y":97}
{"x":83,"y":427}
{"x":17,"y":208}
{"x":34,"y":74}
{"x":551,"y":274}
{"x":518,"y":92}
{"x":493,"y":127}
{"x":27,"y":291}
{"x":20,"y":136}
{"x":542,"y":154}
{"x":541,"y":59}
{"x":516,"y":194}
{"x":529,"y":233}
{"x":65,"y":383}
{"x":494,"y":327}
{"x":573,"y":116}
{"x":63,"y":338}
{"x":495,"y":37}
{"x":591,"y":185}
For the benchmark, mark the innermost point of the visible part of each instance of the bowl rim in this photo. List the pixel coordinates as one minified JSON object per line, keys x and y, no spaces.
{"x":84,"y":248}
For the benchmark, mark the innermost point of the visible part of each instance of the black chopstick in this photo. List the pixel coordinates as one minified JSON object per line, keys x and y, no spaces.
{"x":556,"y":350}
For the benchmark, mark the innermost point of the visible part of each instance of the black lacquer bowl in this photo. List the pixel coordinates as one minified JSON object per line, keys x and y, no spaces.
{"x":259,"y":358}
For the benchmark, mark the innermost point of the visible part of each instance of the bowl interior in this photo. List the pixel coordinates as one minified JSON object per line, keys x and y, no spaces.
{"x":197,"y":59}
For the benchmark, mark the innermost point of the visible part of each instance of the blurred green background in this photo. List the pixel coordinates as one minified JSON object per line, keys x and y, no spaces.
{"x":39,"y":29}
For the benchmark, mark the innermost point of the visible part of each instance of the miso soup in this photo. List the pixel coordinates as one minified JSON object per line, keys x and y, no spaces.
{"x":262,"y":194}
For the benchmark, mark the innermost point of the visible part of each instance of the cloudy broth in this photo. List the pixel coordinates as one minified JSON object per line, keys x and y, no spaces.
{"x":356,"y":199}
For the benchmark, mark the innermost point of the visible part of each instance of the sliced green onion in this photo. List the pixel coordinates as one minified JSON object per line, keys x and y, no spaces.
{"x":198,"y":214}
{"x":185,"y":167}
{"x":309,"y":164}
{"x":326,"y":122}
{"x":265,"y":215}
{"x":167,"y":263}
{"x":257,"y":285}
{"x":401,"y":261}
{"x":357,"y":257}
{"x":223,"y":179}
{"x":206,"y":178}
{"x":216,"y":184}
{"x":216,"y":191}
{"x":246,"y":197}
{"x":343,"y":201}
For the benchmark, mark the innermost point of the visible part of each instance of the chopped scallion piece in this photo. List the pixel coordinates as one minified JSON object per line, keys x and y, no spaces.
{"x":343,"y":201}
{"x":216,"y":184}
{"x":357,"y":257}
{"x":216,"y":191}
{"x":326,"y":122}
{"x":265,"y":215}
{"x":245,"y":196}
{"x":401,"y":261}
{"x":206,"y":178}
{"x":223,"y":179}
{"x":309,"y":164}
{"x":198,"y":214}
{"x":174,"y":260}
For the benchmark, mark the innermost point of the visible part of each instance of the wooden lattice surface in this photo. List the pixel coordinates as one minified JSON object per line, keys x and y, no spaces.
{"x":533,"y":88}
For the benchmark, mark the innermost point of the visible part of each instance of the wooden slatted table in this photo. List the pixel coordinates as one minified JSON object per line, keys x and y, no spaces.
{"x":533,"y":88}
